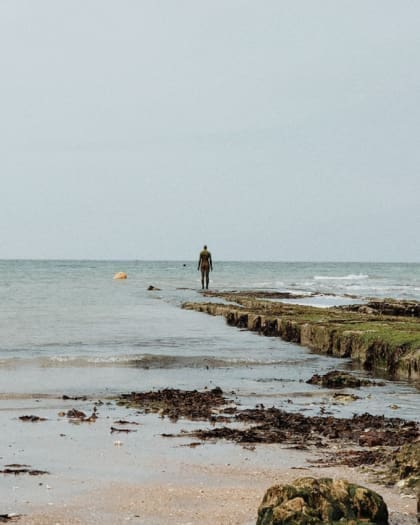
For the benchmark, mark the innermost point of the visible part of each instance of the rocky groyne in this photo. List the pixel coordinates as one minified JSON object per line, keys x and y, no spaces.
{"x":382,"y":336}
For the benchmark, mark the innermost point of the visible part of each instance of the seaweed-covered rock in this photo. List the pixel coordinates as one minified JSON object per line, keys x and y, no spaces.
{"x":339,"y":379}
{"x":393,"y":307}
{"x":405,"y":466}
{"x":175,"y":403}
{"x":311,"y":501}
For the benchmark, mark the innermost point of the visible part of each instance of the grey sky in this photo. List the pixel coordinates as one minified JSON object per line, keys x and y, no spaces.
{"x":273,"y":130}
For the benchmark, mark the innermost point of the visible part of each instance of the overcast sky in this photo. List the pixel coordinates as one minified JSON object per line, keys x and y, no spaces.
{"x":270,"y":130}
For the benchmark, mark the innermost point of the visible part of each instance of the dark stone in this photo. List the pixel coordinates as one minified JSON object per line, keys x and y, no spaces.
{"x":339,"y":379}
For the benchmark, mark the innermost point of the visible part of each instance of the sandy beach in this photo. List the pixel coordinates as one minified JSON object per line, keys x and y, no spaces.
{"x":99,"y":476}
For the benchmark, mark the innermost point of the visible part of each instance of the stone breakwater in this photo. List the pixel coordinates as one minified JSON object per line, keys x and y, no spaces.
{"x":382,"y":336}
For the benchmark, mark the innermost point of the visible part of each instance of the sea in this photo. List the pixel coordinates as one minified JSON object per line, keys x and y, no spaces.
{"x":68,"y":328}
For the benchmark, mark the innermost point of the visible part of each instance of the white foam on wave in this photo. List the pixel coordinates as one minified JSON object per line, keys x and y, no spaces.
{"x":142,"y":361}
{"x":78,"y":359}
{"x":350,"y":277}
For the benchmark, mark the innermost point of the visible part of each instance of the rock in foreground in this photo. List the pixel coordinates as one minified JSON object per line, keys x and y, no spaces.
{"x":311,"y":501}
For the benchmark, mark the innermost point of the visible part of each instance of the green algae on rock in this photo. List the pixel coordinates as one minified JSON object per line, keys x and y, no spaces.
{"x":312,"y":501}
{"x":405,"y":466}
{"x":340,"y":379}
{"x":380,"y":342}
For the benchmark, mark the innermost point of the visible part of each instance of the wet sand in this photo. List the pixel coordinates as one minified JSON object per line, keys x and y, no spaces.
{"x":101,"y":477}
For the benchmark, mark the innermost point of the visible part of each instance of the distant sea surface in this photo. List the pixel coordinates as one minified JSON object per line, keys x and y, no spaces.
{"x":69,"y":327}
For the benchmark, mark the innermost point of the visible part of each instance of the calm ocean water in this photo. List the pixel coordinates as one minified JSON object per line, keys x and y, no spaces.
{"x":68,"y":327}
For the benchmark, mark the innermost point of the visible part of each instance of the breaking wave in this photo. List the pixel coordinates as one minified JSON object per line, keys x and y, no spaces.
{"x":350,"y":277}
{"x":144,"y":361}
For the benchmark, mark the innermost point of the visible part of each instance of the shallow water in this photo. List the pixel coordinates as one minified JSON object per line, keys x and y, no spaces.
{"x":68,"y":327}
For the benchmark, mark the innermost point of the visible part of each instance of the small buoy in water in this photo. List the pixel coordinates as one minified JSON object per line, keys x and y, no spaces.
{"x":120,"y":275}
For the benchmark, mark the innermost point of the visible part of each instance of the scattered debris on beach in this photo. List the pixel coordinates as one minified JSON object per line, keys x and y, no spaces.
{"x":6,"y":518}
{"x":269,"y":425}
{"x":126,"y":430}
{"x":193,"y":444}
{"x":363,"y":439}
{"x":74,"y":398}
{"x":273,"y":425}
{"x":124,"y":422}
{"x":174,"y":403}
{"x":32,"y":419}
{"x":17,"y":469}
{"x":392,"y":465}
{"x":77,"y":416}
{"x":339,"y":398}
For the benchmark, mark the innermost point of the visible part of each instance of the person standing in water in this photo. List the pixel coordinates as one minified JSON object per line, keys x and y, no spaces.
{"x":205,"y":264}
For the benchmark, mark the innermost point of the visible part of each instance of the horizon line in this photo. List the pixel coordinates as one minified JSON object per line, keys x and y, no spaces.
{"x":285,"y":261}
